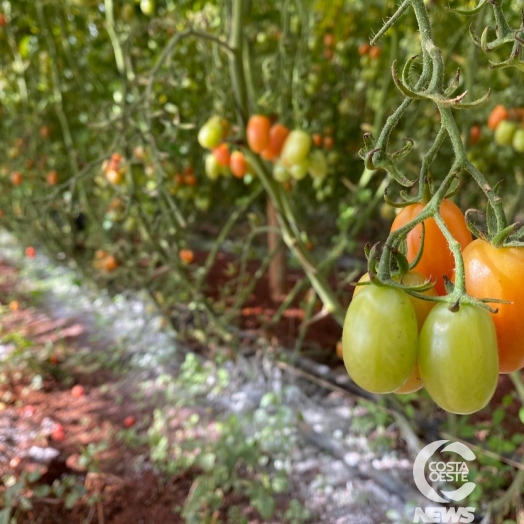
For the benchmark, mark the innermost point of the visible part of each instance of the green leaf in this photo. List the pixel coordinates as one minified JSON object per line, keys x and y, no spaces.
{"x":498,"y":416}
{"x":265,"y":505}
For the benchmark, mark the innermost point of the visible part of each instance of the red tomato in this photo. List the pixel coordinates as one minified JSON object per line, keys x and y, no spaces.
{"x":499,"y":273}
{"x":129,"y":421}
{"x":77,"y":391}
{"x":58,"y":432}
{"x":474,"y":135}
{"x":257,"y":133}
{"x":437,"y":259}
{"x":238,"y":164}
{"x":277,"y":136}
{"x":222,"y":155}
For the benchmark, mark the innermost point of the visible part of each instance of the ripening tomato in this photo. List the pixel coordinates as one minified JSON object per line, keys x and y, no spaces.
{"x":380,"y":339}
{"x":222,"y":155}
{"x":212,"y":168}
{"x":3,"y":20}
{"x":497,"y":115}
{"x":30,"y":252}
{"x":458,"y":358}
{"x":277,"y":136}
{"x":296,"y":148}
{"x":437,"y":259}
{"x":257,"y":133}
{"x":422,"y":309}
{"x":238,"y":164}
{"x":211,"y":133}
{"x":499,"y":273}
{"x":114,"y":177}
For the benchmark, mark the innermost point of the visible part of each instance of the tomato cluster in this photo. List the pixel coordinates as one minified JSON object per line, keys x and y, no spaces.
{"x":508,"y":127}
{"x":394,"y":342}
{"x":292,"y":152}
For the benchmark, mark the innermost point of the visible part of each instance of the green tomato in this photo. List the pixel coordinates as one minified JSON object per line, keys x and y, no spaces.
{"x":280,"y":173}
{"x":504,"y":133}
{"x":210,"y":134}
{"x":211,"y":167}
{"x":299,"y":171}
{"x":147,"y":7}
{"x":296,"y":148}
{"x":458,"y":358}
{"x":379,"y":339}
{"x":518,"y":141}
{"x":317,"y":165}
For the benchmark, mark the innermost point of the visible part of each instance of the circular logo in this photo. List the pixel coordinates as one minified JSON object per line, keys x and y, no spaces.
{"x":443,"y":471}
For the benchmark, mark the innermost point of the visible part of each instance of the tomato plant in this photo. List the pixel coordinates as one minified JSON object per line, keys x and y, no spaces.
{"x":493,"y":272}
{"x":458,"y":358}
{"x":437,"y":259}
{"x":380,"y":360}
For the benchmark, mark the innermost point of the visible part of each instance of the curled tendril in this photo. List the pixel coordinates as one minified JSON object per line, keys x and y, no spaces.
{"x":441,"y":100}
{"x":467,"y":12}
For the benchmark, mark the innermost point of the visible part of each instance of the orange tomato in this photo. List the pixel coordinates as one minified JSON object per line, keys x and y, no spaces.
{"x":52,"y":178}
{"x":363,"y":49}
{"x":257,"y":133}
{"x":277,"y":136}
{"x":374,"y":51}
{"x":222,"y":155}
{"x":499,"y":273}
{"x":437,"y":259}
{"x":329,"y":142}
{"x":317,"y":139}
{"x":329,"y":40}
{"x":190,"y":180}
{"x":109,"y":263}
{"x":238,"y":164}
{"x":186,"y":256}
{"x":497,"y":115}
{"x":16,"y":178}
